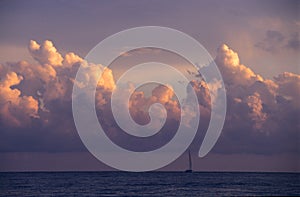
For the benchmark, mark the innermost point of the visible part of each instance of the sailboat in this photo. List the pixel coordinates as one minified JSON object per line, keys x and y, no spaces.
{"x":190,"y":163}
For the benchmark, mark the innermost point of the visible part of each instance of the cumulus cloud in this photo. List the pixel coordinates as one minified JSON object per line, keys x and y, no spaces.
{"x":256,"y":110}
{"x":71,"y":58}
{"x":32,"y":89}
{"x":259,"y":110}
{"x":37,"y":98}
{"x":163,"y":94}
{"x":16,"y":110}
{"x":289,"y":87}
{"x":45,"y":53}
{"x":233,"y":71}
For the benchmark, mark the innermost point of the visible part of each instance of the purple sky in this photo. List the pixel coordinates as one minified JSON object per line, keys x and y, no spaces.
{"x":259,"y":64}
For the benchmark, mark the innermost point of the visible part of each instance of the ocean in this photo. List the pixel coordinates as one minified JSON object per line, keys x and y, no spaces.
{"x":148,"y":184}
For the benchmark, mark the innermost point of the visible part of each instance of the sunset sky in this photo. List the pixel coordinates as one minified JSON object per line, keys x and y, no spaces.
{"x":255,"y":45}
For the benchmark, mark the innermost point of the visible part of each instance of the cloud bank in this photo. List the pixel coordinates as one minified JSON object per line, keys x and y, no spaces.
{"x":36,"y":115}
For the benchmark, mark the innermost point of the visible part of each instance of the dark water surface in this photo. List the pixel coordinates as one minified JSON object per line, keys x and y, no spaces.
{"x":147,"y":184}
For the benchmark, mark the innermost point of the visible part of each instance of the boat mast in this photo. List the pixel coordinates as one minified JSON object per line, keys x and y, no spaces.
{"x":190,"y":161}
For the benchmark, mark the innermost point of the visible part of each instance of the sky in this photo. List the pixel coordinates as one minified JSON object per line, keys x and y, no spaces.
{"x":255,"y":45}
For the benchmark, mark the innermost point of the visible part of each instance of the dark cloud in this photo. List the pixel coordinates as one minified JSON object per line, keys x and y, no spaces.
{"x":275,"y":41}
{"x":272,"y":41}
{"x":294,"y":42}
{"x":274,"y":36}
